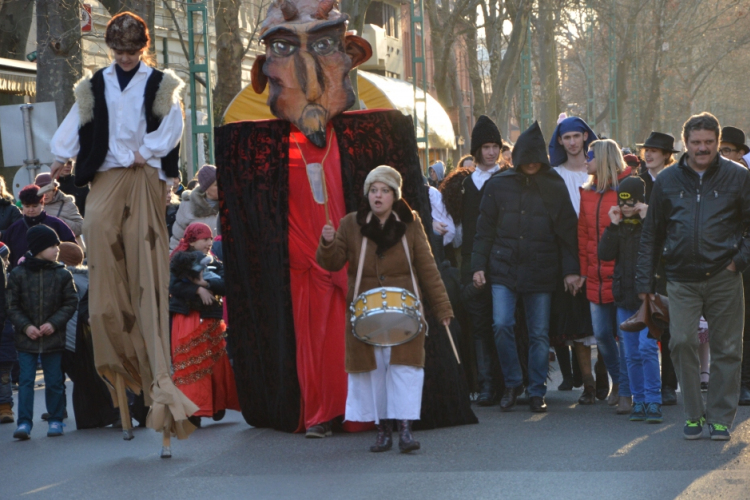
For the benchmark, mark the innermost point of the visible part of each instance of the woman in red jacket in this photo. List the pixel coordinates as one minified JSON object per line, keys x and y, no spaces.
{"x":606,"y":168}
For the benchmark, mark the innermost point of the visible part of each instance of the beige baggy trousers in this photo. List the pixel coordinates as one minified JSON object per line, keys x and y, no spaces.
{"x":128,"y":258}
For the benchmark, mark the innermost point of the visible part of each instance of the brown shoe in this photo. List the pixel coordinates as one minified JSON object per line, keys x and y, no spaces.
{"x":614,"y":395}
{"x":625,"y":405}
{"x":6,"y":414}
{"x":320,"y":430}
{"x":384,"y":441}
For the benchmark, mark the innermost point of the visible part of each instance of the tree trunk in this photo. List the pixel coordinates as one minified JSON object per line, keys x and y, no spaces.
{"x":473,"y":64}
{"x":550,"y":102}
{"x":502,"y":69}
{"x":59,"y":63}
{"x":15,"y":24}
{"x":356,"y":10}
{"x":229,"y":54}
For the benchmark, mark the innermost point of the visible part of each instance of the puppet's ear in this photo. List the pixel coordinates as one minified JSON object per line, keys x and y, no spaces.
{"x":358,"y":49}
{"x":258,"y":79}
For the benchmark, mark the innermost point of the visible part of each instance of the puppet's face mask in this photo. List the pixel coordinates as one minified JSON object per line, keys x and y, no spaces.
{"x":307,"y":63}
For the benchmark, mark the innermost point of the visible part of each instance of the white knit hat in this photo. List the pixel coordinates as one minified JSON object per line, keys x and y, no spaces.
{"x":388,"y":176}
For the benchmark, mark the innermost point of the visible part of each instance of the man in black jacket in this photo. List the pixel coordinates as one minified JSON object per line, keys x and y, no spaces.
{"x":486,"y":144}
{"x":67,"y":182}
{"x":696,"y":220}
{"x":526,"y":223}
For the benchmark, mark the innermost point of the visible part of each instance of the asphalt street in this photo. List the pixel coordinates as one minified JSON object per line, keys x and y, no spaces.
{"x":571,"y":452}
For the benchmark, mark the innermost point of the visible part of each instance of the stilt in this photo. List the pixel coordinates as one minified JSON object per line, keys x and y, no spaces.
{"x":122,"y":403}
{"x":166,"y":445}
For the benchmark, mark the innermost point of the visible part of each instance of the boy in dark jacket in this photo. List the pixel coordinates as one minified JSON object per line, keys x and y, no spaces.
{"x":620,"y":242}
{"x":41,"y":298}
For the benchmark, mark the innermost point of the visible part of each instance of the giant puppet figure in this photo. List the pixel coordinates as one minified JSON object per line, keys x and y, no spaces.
{"x":287,"y":314}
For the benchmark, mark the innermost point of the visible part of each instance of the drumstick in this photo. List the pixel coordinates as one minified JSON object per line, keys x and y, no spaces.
{"x":450,"y":337}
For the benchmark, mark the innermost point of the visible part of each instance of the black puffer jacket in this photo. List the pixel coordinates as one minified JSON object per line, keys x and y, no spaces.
{"x":526,"y":224}
{"x":621,"y":243}
{"x":9,"y":213}
{"x":41,"y":291}
{"x":696,"y":223}
{"x":183,"y":296}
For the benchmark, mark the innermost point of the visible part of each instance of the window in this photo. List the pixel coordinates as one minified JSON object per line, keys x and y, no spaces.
{"x":384,"y":15}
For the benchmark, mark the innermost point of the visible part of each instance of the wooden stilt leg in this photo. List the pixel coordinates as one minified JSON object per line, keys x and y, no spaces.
{"x":122,"y":402}
{"x":166,"y":445}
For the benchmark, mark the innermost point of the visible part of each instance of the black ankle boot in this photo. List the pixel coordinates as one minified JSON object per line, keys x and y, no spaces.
{"x":406,"y":442}
{"x":384,"y":441}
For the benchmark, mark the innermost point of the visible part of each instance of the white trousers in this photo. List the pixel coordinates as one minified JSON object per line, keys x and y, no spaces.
{"x":389,"y":391}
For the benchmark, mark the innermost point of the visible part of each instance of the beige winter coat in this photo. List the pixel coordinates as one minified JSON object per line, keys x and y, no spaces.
{"x":194,"y":208}
{"x":63,"y":206}
{"x":390,"y":269}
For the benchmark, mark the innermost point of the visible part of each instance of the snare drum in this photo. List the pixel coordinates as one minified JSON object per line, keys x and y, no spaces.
{"x":386,"y":316}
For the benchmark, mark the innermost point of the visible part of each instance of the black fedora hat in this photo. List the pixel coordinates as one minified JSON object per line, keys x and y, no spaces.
{"x":734,"y":136}
{"x":660,"y":140}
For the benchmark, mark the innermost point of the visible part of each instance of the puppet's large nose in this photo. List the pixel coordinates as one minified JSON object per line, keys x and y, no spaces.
{"x":313,"y":89}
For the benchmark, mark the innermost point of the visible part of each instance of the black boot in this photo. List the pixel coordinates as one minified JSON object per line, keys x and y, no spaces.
{"x":384,"y":441}
{"x":406,"y":442}
{"x":602,"y":380}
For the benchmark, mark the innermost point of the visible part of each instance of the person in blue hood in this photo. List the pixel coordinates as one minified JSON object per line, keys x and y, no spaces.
{"x":436,"y":173}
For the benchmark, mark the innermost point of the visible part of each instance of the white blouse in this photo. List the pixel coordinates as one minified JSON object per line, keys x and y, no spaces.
{"x":440,"y":214}
{"x":127,"y":126}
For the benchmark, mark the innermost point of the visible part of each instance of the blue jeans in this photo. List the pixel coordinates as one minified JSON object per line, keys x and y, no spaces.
{"x":604,"y":317}
{"x":6,"y":393}
{"x":642,"y":357}
{"x":537,"y":306}
{"x":53,"y":386}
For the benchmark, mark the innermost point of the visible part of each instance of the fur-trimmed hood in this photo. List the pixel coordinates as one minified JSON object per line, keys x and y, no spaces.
{"x":170,"y":90}
{"x":199,"y":203}
{"x":392,"y":231}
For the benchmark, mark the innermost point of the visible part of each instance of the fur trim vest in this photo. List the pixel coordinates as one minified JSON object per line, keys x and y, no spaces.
{"x":162,"y":90}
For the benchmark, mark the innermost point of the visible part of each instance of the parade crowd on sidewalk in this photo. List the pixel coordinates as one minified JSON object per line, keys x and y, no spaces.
{"x":526,"y":252}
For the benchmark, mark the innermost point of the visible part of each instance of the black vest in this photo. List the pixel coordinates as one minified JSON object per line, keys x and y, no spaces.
{"x":93,"y":137}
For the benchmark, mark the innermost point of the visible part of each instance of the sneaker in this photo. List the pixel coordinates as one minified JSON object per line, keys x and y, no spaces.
{"x":319,"y":431}
{"x":718,"y":432}
{"x":639,"y":412}
{"x":55,"y":429}
{"x":653,"y":413}
{"x":23,"y":432}
{"x":693,"y":428}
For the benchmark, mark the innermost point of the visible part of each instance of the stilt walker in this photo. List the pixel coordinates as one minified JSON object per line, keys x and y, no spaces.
{"x":125,"y":130}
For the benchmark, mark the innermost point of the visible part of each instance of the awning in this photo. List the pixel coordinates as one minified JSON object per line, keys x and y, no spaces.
{"x":17,"y":77}
{"x":375,"y":92}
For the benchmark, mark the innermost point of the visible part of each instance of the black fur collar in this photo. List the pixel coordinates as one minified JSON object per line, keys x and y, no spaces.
{"x":391,"y":232}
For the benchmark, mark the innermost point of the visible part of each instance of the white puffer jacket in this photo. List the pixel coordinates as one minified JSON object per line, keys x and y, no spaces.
{"x":194,"y":208}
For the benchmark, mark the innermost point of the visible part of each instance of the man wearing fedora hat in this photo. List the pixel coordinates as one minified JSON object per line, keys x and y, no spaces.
{"x":733,"y":145}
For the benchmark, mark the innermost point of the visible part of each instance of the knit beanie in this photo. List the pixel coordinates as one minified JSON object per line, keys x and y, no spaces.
{"x":485,"y":131}
{"x":630,"y":191}
{"x":70,"y":254}
{"x":45,"y":183}
{"x":40,"y":238}
{"x":388,"y":176}
{"x":30,"y":195}
{"x":206,"y":176}
{"x":4,"y":250}
{"x":128,"y":32}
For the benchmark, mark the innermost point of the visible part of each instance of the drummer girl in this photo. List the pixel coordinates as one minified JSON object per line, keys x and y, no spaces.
{"x":385,"y":383}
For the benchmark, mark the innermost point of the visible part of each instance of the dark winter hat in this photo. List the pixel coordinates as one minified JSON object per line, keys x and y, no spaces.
{"x":70,"y":254}
{"x":632,"y":160}
{"x":206,"y":176}
{"x":30,"y":195}
{"x":630,"y":191}
{"x":126,"y":31}
{"x":530,"y":147}
{"x":40,"y":238}
{"x":735,"y":136}
{"x":4,"y":250}
{"x":661,"y":141}
{"x":485,"y":131}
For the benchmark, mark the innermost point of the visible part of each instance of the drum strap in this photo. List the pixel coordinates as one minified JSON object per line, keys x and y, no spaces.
{"x":361,"y":264}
